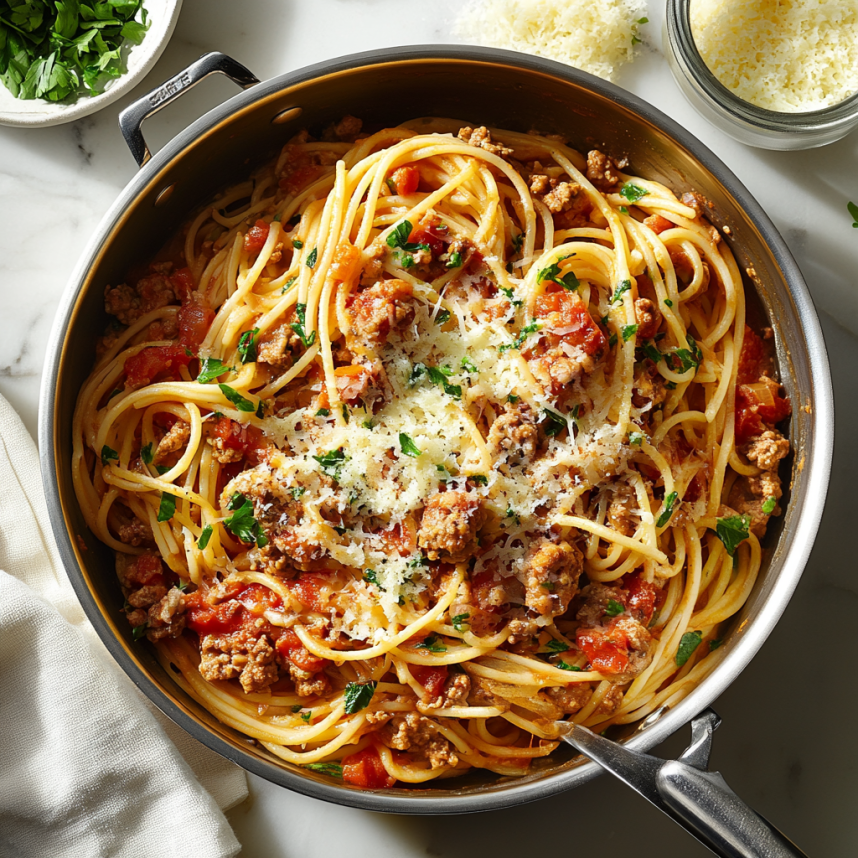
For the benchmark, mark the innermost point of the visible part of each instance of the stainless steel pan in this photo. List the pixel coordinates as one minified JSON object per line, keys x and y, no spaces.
{"x":486,"y":86}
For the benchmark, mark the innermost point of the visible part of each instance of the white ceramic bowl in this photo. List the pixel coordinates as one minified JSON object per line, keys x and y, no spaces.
{"x":37,"y":112}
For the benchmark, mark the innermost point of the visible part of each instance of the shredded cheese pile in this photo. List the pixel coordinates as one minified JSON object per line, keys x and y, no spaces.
{"x":598,"y":38}
{"x":784,"y":55}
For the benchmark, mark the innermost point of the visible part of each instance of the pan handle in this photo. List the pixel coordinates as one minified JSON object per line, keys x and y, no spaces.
{"x":131,"y":119}
{"x":698,"y":800}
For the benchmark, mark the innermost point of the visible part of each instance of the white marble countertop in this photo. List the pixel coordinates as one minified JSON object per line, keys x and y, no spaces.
{"x":785,"y":745}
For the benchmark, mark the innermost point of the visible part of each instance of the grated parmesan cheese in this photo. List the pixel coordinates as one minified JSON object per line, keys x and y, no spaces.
{"x":597,"y":38}
{"x":783,"y":55}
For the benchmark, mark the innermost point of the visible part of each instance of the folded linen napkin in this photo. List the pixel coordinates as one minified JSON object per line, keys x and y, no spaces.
{"x":86,"y":764}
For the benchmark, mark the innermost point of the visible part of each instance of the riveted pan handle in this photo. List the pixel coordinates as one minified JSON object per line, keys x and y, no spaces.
{"x":131,"y":119}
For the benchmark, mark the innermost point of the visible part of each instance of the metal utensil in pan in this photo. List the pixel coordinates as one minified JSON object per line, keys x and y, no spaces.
{"x":692,"y":796}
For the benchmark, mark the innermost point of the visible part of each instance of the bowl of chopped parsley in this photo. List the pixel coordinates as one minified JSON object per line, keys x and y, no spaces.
{"x":63,"y":59}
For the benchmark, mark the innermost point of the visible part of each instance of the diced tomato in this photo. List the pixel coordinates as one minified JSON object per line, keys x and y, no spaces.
{"x":431,"y":678}
{"x":643,"y":597}
{"x":365,"y":769}
{"x":607,"y":649}
{"x":695,"y":488}
{"x":568,"y":320}
{"x":183,"y":283}
{"x":146,"y":569}
{"x":257,"y":599}
{"x":657,"y":223}
{"x":307,"y":588}
{"x":398,"y":538}
{"x":234,"y":436}
{"x":256,"y":236}
{"x":195,"y":319}
{"x":161,"y":363}
{"x":482,"y":585}
{"x":289,"y":645}
{"x":206,"y":619}
{"x":406,"y":180}
{"x":752,"y":355}
{"x":751,"y":413}
{"x":300,"y":177}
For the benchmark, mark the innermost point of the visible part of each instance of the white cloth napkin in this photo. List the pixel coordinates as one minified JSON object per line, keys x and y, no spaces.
{"x":86,"y":765}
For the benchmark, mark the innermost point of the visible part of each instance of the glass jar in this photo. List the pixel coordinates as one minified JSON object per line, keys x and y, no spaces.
{"x":745,"y":122}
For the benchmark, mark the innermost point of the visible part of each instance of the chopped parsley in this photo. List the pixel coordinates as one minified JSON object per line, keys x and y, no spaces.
{"x":552,"y":274}
{"x":399,"y":236}
{"x":459,"y":621}
{"x":237,"y":399}
{"x":688,"y":358}
{"x":334,"y":770}
{"x":358,"y":695}
{"x":211,"y":368}
{"x":455,"y":260}
{"x":511,"y":295}
{"x":612,"y":340}
{"x":668,"y":302}
{"x":167,"y":507}
{"x":628,"y":331}
{"x":242,"y":522}
{"x":553,"y":423}
{"x":147,"y":454}
{"x":624,"y":210}
{"x":667,"y":509}
{"x":633,"y":192}
{"x":526,"y":331}
{"x":409,"y":448}
{"x":636,"y":438}
{"x":853,"y":210}
{"x":566,"y":666}
{"x":556,"y":646}
{"x":713,"y":645}
{"x":247,"y":346}
{"x":614,"y":608}
{"x":432,"y":643}
{"x":306,"y":716}
{"x":371,"y":576}
{"x":769,"y":505}
{"x":297,"y":491}
{"x":621,"y":290}
{"x":289,"y":284}
{"x":108,"y":454}
{"x":298,"y":327}
{"x":650,"y":350}
{"x":443,"y":317}
{"x":512,"y":398}
{"x":479,"y":479}
{"x":205,"y":536}
{"x":469,"y":365}
{"x":323,"y":412}
{"x":297,"y":243}
{"x":687,"y":644}
{"x":517,"y":241}
{"x":138,"y":631}
{"x":312,"y":257}
{"x":437,"y":375}
{"x":332,"y":463}
{"x":733,"y":530}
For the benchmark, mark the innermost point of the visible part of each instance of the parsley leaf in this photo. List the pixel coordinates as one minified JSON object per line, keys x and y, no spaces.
{"x":399,"y":235}
{"x":443,"y":317}
{"x":614,"y":608}
{"x":566,"y":666}
{"x":553,"y":423}
{"x":297,"y":243}
{"x":437,"y":375}
{"x":713,"y":645}
{"x":628,"y":331}
{"x":620,"y":291}
{"x":298,"y":327}
{"x":853,"y":210}
{"x":432,"y":643}
{"x":358,"y":696}
{"x":147,"y":454}
{"x":211,"y":368}
{"x":469,"y":365}
{"x":108,"y":454}
{"x":205,"y":536}
{"x":332,"y":463}
{"x":297,"y":491}
{"x":687,"y":644}
{"x":667,"y":509}
{"x":455,"y":260}
{"x":556,"y":646}
{"x":289,"y":284}
{"x":517,"y":241}
{"x":479,"y":479}
{"x":242,"y":522}
{"x":167,"y":507}
{"x":769,"y":505}
{"x":526,"y":331}
{"x":247,"y":346}
{"x":312,"y":257}
{"x":733,"y":530}
{"x":668,"y":302}
{"x":652,"y":352}
{"x":237,"y":399}
{"x":371,"y":576}
{"x":552,"y":273}
{"x":633,"y":192}
{"x":459,"y":621}
{"x":334,"y":770}
{"x":636,"y":438}
{"x":409,"y":448}
{"x":138,"y":631}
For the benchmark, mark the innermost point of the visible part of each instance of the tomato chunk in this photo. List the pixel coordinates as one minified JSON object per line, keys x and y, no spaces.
{"x":643,"y":597}
{"x":206,"y":619}
{"x":234,"y":436}
{"x":431,"y":678}
{"x":405,"y":180}
{"x":256,"y":237}
{"x":146,"y":569}
{"x":307,"y":588}
{"x":195,"y":319}
{"x":183,"y":283}
{"x":257,"y":599}
{"x":161,"y":363}
{"x":290,"y":646}
{"x":568,"y":320}
{"x":365,"y":769}
{"x":607,"y":649}
{"x":751,"y":357}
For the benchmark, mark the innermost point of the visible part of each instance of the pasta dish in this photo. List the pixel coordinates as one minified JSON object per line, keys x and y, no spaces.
{"x":422,"y":440}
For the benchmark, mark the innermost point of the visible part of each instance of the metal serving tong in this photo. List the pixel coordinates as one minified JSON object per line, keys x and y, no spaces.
{"x":692,"y":796}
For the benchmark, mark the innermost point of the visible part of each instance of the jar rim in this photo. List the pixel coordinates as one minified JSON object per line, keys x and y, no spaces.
{"x":681,"y":37}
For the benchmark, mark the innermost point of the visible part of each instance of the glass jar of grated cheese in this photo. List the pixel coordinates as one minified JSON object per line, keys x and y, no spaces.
{"x":795,"y":100}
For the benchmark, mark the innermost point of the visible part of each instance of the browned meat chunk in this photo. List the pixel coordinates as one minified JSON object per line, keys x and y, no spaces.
{"x":375,"y":311}
{"x":412,"y":732}
{"x":176,"y":438}
{"x":455,"y":692}
{"x":648,"y":318}
{"x":522,"y":630}
{"x":150,"y":293}
{"x":482,"y":138}
{"x":514,"y":433}
{"x":766,"y":450}
{"x":449,"y":527}
{"x":166,"y":618}
{"x":558,"y":196}
{"x":241,"y":655}
{"x":621,"y":508}
{"x":569,"y":699}
{"x":650,"y":387}
{"x":596,"y":597}
{"x":135,"y":533}
{"x":365,"y":380}
{"x":748,"y":495}
{"x":695,"y":201}
{"x":551,"y":572}
{"x":146,"y":595}
{"x":274,"y":346}
{"x":603,"y":171}
{"x":346,"y":130}
{"x":309,"y":684}
{"x":641,"y":648}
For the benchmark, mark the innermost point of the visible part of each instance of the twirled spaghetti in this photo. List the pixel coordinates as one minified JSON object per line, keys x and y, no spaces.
{"x":415,"y":443}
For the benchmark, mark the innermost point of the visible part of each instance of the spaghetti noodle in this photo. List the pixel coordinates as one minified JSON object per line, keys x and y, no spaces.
{"x":422,"y":440}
